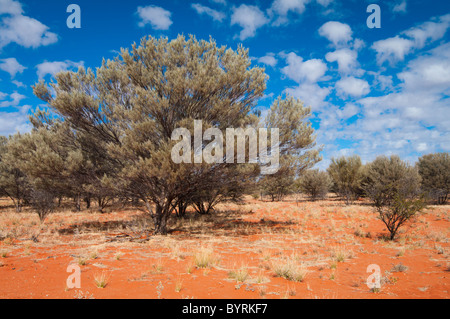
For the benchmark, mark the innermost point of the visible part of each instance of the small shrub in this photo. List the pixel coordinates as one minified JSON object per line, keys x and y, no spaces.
{"x":399,"y":268}
{"x":435,"y":172}
{"x":204,"y":258}
{"x":101,"y":280}
{"x":315,"y":184}
{"x":289,"y":269}
{"x":346,"y":175}
{"x":239,"y":275}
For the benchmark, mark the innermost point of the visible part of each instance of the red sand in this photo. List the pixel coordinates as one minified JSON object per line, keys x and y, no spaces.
{"x":255,"y":237}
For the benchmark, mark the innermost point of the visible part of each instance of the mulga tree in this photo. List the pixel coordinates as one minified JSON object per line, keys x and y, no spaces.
{"x":394,"y":187}
{"x":53,"y":170}
{"x":434,"y":170}
{"x":346,"y":175}
{"x":388,"y":176}
{"x":13,"y":181}
{"x":132,"y":104}
{"x":314,"y":183}
{"x":297,"y":146}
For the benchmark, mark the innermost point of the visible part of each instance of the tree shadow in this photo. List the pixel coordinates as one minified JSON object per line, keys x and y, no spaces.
{"x":137,"y":223}
{"x":229,"y":221}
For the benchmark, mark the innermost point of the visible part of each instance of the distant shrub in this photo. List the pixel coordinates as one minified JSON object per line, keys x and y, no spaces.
{"x":43,"y":202}
{"x":394,"y":188}
{"x":387,"y":177}
{"x":434,"y":170}
{"x":315,"y":184}
{"x":346,"y":174}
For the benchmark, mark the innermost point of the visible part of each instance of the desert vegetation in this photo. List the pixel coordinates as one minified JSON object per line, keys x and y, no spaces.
{"x":96,"y":171}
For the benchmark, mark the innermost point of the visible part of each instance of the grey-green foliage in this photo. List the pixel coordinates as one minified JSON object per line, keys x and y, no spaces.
{"x":388,"y":176}
{"x":298,"y":149}
{"x":346,"y":175}
{"x":130,"y":106}
{"x":314,"y":183}
{"x":394,"y":187}
{"x":13,"y":181}
{"x":434,"y":170}
{"x":120,"y":118}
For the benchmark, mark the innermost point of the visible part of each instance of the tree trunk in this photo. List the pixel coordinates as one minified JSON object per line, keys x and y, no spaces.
{"x":160,"y":220}
{"x":87,"y":200}
{"x":77,"y":200}
{"x":181,"y":209}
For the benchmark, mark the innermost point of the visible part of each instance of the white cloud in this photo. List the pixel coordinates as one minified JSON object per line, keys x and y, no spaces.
{"x":10,"y":7}
{"x":310,"y":93}
{"x":400,"y":7}
{"x":345,"y":58}
{"x":250,"y":18}
{"x":216,"y":15}
{"x":306,"y":74}
{"x":336,"y":32}
{"x":281,"y":8}
{"x":351,"y":86}
{"x":54,"y":67}
{"x":268,"y":59}
{"x":298,"y":70}
{"x":382,"y":82}
{"x":13,"y":122}
{"x":223,"y":2}
{"x":395,"y":49}
{"x":392,"y":49}
{"x":157,"y":17}
{"x":429,"y":73}
{"x":349,"y":110}
{"x":11,"y":66}
{"x":15,"y":99}
{"x":324,"y":3}
{"x":18,"y":83}
{"x":23,"y":30}
{"x":429,"y":31}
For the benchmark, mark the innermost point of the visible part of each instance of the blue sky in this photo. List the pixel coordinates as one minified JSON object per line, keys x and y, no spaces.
{"x":372,"y":91}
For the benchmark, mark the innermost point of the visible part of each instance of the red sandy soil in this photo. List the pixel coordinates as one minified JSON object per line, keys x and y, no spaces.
{"x":332,"y":242}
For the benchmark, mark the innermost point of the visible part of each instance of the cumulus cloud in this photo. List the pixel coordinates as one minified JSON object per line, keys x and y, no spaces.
{"x":268,"y":59}
{"x":250,"y":18}
{"x":310,"y":93}
{"x":299,"y":70}
{"x":413,"y":118}
{"x":18,"y":83}
{"x":13,"y":122}
{"x":336,"y":32}
{"x":430,"y":73}
{"x":395,"y":49}
{"x":13,"y":99}
{"x":400,"y":7}
{"x":11,"y":66}
{"x":306,"y":74}
{"x":216,"y":15}
{"x":10,"y":7}
{"x":429,"y":31}
{"x":349,"y":110}
{"x":54,"y":67}
{"x":351,"y":86}
{"x":392,"y":49}
{"x":20,"y":29}
{"x":157,"y":17}
{"x":345,"y":58}
{"x":324,"y":3}
{"x":281,"y":8}
{"x":223,"y":2}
